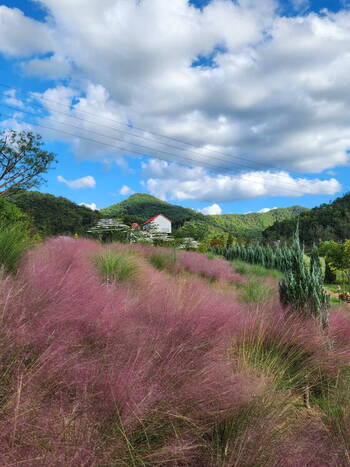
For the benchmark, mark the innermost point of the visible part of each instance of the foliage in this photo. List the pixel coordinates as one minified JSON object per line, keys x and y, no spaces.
{"x":114,"y":267}
{"x":197,"y":230}
{"x":22,"y":161}
{"x":252,"y":224}
{"x":326,"y":222}
{"x":15,"y":240}
{"x":54,"y":215}
{"x":271,"y":258}
{"x":330,"y":276}
{"x":10,"y":214}
{"x":302,"y":288}
{"x":141,"y":207}
{"x":337,"y":256}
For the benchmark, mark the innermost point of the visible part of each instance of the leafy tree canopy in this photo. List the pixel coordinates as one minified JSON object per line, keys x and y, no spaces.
{"x":22,"y":161}
{"x":54,"y":215}
{"x":11,"y":214}
{"x":326,"y":222}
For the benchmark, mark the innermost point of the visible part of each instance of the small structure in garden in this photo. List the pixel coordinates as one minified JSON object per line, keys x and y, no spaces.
{"x":158,"y":224}
{"x":135,"y":226}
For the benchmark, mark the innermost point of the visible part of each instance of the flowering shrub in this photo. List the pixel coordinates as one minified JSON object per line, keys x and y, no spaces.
{"x":160,"y":370}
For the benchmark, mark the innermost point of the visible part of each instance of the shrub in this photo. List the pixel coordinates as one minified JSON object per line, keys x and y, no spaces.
{"x":330,"y":276}
{"x":115,"y":267}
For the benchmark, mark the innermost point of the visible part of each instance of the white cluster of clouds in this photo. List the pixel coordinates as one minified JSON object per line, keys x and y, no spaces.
{"x":79,"y":183}
{"x":277,"y":95}
{"x":264,"y":210}
{"x":126,"y":191}
{"x":211,"y":210}
{"x":91,"y":206}
{"x":169,"y":180}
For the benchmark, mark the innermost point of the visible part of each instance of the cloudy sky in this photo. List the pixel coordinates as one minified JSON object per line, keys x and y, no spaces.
{"x":219,"y":105}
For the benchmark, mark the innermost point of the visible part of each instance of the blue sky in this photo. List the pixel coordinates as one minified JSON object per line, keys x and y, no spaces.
{"x":215,"y":105}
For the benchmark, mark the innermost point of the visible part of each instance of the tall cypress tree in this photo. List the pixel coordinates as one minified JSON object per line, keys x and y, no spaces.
{"x":302,"y":287}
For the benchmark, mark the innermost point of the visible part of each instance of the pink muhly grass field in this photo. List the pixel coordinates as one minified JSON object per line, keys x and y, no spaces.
{"x":197,"y":263}
{"x":95,"y":374}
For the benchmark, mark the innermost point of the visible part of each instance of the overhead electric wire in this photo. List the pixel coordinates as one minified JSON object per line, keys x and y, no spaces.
{"x":147,"y":149}
{"x":128,"y":133}
{"x":178,"y":141}
{"x":121,"y":148}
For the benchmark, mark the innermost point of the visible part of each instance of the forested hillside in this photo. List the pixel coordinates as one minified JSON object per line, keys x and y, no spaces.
{"x":140,"y":207}
{"x":326,"y":222}
{"x":254,"y":223}
{"x":54,"y":215}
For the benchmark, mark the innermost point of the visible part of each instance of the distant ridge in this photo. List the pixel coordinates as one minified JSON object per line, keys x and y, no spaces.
{"x":329,"y":221}
{"x":255,"y":221}
{"x":140,"y":207}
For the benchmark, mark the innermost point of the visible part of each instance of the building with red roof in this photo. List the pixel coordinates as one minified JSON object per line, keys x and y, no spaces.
{"x":158,"y":223}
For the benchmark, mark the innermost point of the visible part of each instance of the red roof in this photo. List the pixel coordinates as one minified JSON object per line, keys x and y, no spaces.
{"x":155,"y":217}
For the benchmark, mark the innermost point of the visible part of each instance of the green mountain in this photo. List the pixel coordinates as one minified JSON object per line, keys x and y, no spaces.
{"x":54,"y":215}
{"x":140,"y":207}
{"x":253,"y":223}
{"x":326,"y":222}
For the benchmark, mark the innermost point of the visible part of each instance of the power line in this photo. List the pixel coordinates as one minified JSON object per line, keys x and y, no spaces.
{"x":227,"y":162}
{"x":178,"y":141}
{"x":128,"y":133}
{"x":145,"y":148}
{"x":121,"y":148}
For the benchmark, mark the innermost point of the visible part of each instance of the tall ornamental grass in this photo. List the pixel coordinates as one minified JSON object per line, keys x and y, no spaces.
{"x":166,"y":371}
{"x":114,"y":267}
{"x":14,"y":242}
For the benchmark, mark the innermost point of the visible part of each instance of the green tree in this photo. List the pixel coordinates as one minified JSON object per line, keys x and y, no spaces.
{"x":337,"y":255}
{"x":23,"y":161}
{"x":11,"y":214}
{"x":302,"y":287}
{"x":229,"y":242}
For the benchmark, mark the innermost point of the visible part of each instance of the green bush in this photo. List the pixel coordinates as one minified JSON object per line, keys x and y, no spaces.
{"x":162,"y":260}
{"x":14,"y":242}
{"x":115,"y":267}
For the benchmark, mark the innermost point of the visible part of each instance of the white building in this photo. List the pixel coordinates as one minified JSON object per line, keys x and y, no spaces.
{"x":158,"y":223}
